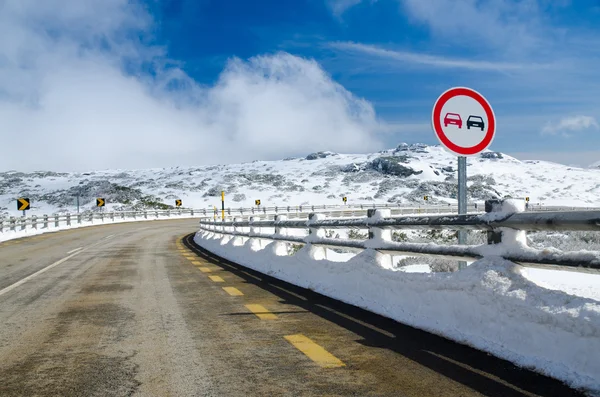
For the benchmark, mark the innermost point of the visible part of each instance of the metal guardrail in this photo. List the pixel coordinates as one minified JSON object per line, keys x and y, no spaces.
{"x":56,"y":220}
{"x":45,"y":221}
{"x":501,"y":227}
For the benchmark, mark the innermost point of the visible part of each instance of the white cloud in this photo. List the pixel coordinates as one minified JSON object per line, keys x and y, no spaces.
{"x":429,"y":60}
{"x":67,"y":103}
{"x":338,"y":7}
{"x":570,"y":124}
{"x":505,"y":25}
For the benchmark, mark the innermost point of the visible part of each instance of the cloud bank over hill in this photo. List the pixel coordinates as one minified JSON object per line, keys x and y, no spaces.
{"x":81,"y":88}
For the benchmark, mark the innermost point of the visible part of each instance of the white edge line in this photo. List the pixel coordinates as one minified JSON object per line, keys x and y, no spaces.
{"x":24,"y":280}
{"x":76,"y":249}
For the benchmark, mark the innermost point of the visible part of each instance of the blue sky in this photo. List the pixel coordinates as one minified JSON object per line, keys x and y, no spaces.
{"x":271,"y":78}
{"x":533,"y":60}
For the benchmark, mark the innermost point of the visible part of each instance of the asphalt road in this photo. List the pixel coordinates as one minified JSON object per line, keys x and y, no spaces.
{"x":137,"y":309}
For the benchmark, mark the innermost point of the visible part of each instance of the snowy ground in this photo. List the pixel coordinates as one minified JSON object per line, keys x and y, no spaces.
{"x":303,"y":181}
{"x":496,"y":306}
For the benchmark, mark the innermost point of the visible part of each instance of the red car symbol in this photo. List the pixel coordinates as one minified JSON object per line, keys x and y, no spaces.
{"x":452,"y":118}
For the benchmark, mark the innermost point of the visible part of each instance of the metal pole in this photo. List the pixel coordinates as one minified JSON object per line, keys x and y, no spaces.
{"x":78,"y":202}
{"x":462,"y":201}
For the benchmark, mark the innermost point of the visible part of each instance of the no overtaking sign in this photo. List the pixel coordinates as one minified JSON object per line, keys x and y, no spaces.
{"x":463,"y":121}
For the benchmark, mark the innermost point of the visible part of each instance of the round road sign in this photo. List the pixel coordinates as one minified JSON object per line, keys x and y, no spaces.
{"x":463,"y":121}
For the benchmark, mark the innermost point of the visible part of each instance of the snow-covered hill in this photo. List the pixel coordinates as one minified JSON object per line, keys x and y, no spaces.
{"x":401,"y":175}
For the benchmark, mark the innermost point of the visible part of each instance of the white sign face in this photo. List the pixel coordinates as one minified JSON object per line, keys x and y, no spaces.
{"x":463,"y":121}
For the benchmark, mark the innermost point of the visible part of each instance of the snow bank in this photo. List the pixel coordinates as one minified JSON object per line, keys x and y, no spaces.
{"x":490,"y":305}
{"x":30,"y":231}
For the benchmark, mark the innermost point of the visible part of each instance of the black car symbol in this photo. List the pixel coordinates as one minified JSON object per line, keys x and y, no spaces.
{"x":475,"y":121}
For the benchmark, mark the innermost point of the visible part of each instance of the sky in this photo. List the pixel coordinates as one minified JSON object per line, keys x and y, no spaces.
{"x":108,"y":84}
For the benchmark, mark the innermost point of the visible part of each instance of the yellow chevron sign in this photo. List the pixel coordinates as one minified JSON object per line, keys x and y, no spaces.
{"x":100,"y":202}
{"x":178,"y":203}
{"x":23,"y":204}
{"x":425,"y":198}
{"x":345,"y":199}
{"x":257,"y":202}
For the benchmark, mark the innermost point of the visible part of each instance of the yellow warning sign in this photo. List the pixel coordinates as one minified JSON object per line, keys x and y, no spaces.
{"x":23,"y":204}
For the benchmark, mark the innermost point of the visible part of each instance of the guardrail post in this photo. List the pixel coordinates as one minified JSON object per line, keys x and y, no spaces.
{"x":192,"y":212}
{"x":505,"y":235}
{"x":376,"y":233}
{"x":79,"y":218}
{"x":145,"y":214}
{"x":13,"y":226}
{"x":23,"y":223}
{"x":1,"y":226}
{"x":494,"y":236}
{"x":253,"y":230}
{"x":168,"y":213}
{"x":316,"y":253}
{"x":68,"y":219}
{"x":34,"y":222}
{"x":102,"y":217}
{"x":112,"y":216}
{"x":280,"y":231}
{"x":55,"y":220}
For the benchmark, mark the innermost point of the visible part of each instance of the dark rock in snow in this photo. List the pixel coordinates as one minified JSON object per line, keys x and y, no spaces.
{"x":491,"y":155}
{"x":392,"y":166}
{"x":350,"y":168}
{"x":319,"y":155}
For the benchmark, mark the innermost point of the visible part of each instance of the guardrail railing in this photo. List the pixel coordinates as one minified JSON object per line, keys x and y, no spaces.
{"x":56,"y":220}
{"x":505,"y":233}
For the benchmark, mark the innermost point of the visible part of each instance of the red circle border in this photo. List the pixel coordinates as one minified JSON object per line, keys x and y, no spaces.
{"x":439,"y":132}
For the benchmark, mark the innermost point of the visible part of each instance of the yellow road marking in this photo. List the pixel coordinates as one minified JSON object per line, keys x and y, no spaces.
{"x":233,"y":291}
{"x":314,"y":351}
{"x":197,"y":263}
{"x":216,"y":279}
{"x":205,"y":269}
{"x":261,"y":312}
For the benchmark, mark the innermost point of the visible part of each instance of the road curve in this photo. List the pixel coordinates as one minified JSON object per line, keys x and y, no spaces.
{"x":138,"y":309}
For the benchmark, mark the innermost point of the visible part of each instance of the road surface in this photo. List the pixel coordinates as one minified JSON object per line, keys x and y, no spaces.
{"x":137,"y":309}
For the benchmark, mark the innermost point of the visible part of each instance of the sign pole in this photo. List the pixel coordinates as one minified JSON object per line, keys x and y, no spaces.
{"x":462,"y":201}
